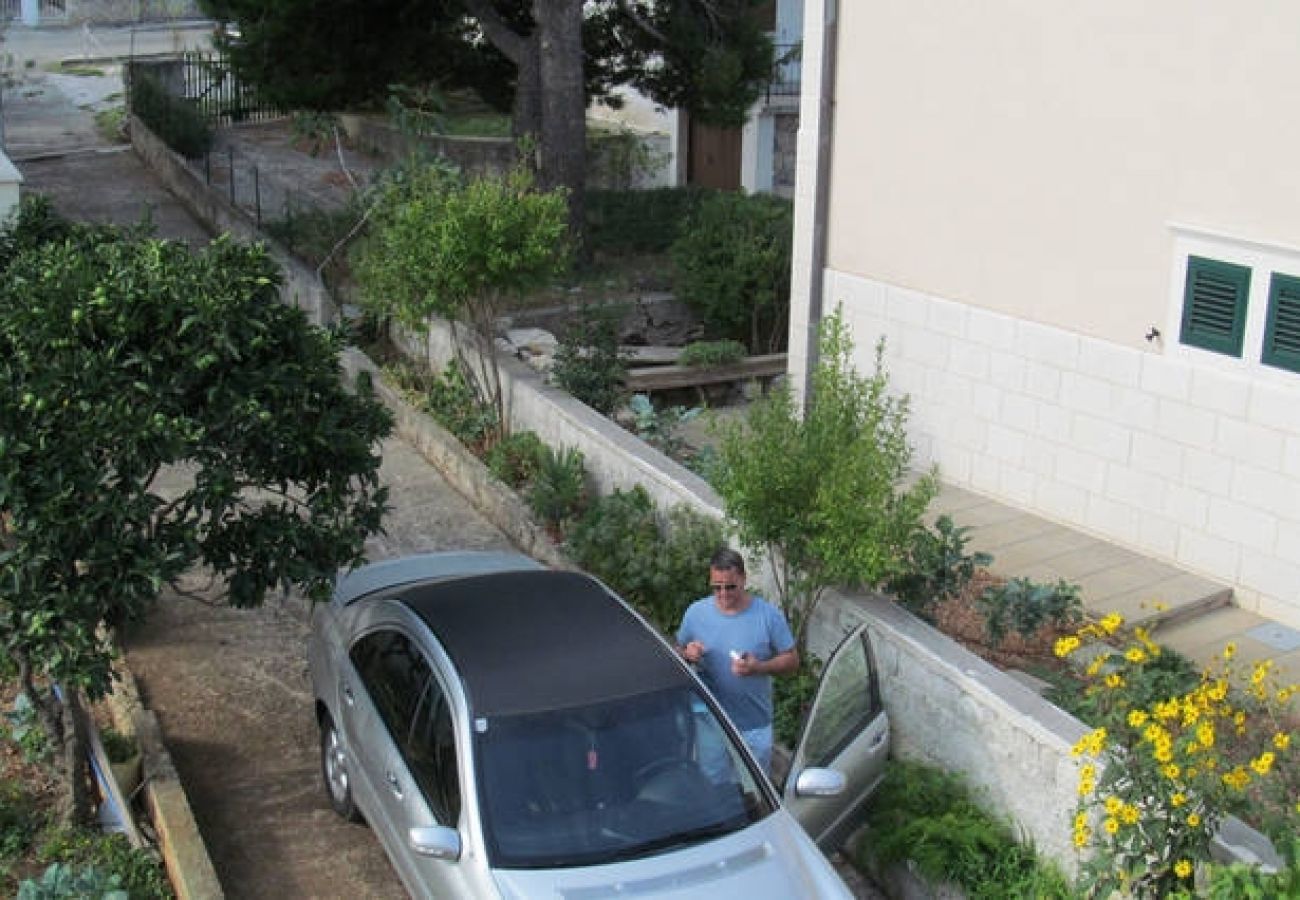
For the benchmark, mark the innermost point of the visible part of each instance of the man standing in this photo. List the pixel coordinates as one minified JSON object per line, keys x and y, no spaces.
{"x":739,"y":642}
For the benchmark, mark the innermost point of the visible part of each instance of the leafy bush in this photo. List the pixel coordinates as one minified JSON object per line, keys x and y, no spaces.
{"x":118,"y":747}
{"x":792,"y":697}
{"x":1023,"y":606}
{"x":176,"y":121}
{"x":449,"y":398}
{"x":657,"y":565}
{"x":938,"y":567}
{"x":1161,"y":774}
{"x":63,"y":881}
{"x":588,"y":363}
{"x":18,"y":820}
{"x":732,"y":267}
{"x":139,"y":873}
{"x":826,"y":495}
{"x":1168,"y":675}
{"x":639,"y":221}
{"x":23,"y":727}
{"x":927,"y":819}
{"x":516,"y":458}
{"x":559,"y":490}
{"x":658,"y":427}
{"x":711,"y":353}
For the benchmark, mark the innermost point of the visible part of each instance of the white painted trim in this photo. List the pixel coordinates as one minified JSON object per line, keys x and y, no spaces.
{"x":1263,"y":258}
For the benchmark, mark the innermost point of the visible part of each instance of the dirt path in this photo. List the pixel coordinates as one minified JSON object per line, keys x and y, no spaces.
{"x":232,"y":694}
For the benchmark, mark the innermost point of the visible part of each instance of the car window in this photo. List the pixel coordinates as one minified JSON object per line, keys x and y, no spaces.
{"x":846,"y":703}
{"x":415,"y":711}
{"x":619,"y":780}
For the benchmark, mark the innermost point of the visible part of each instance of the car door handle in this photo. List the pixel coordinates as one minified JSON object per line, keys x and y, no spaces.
{"x":346,"y":690}
{"x":879,"y":739}
{"x":393,"y":784}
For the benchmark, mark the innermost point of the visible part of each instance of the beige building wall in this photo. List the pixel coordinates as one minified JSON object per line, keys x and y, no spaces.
{"x":1028,"y":157}
{"x":1013,"y":193}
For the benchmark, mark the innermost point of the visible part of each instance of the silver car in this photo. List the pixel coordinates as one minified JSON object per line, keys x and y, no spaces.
{"x":511,"y":731}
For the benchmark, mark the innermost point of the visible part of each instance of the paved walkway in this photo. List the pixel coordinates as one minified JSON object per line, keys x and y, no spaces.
{"x":1186,"y":612}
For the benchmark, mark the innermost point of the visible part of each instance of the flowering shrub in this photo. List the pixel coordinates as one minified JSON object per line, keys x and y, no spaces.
{"x":1162,"y":773}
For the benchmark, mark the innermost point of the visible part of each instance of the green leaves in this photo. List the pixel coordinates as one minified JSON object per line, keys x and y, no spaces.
{"x":122,"y":358}
{"x":827,"y":494}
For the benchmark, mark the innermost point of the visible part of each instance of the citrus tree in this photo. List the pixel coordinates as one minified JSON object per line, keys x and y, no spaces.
{"x":440,"y":246}
{"x":123,"y":360}
{"x":825,"y":495}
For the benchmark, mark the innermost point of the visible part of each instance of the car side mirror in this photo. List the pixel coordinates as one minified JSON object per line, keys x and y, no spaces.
{"x":435,"y":842}
{"x":814,"y":782}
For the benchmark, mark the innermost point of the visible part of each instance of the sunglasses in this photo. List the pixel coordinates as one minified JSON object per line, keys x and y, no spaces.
{"x":719,"y":588}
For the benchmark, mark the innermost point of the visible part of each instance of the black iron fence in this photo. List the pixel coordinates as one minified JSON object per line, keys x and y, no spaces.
{"x":787,"y":67}
{"x":208,"y":81}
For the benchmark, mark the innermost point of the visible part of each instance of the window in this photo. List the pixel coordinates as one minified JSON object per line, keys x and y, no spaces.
{"x":1282,"y":328}
{"x":1214,"y":305}
{"x":415,"y":710}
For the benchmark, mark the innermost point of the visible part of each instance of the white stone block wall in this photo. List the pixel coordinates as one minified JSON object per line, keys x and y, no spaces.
{"x":1194,"y":465}
{"x":10,"y":179}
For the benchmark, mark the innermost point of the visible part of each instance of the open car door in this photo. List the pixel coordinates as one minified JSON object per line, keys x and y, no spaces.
{"x":847,"y":731}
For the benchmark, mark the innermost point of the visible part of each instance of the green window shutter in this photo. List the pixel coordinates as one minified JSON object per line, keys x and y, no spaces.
{"x":1214,"y":305}
{"x":1282,"y":331}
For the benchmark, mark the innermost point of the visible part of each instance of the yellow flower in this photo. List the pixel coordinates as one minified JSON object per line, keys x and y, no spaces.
{"x":1113,"y":805}
{"x":1281,"y":740}
{"x":1171,"y":771}
{"x":1237,"y":778}
{"x":1129,"y":815}
{"x":1262,"y":763}
{"x":1261,"y":671}
{"x":1178,"y":800}
{"x":1135,"y":655}
{"x":1182,"y":868}
{"x":1066,"y":645}
{"x":1230,"y":650}
{"x":1110,"y":623}
{"x":1114,"y":680}
{"x":1095,"y":666}
{"x":1193,"y":819}
{"x":1205,"y":734}
{"x":1111,"y":825}
{"x":1081,"y":836}
{"x":1081,"y":819}
{"x":1137,"y":718}
{"x":1167,"y":710}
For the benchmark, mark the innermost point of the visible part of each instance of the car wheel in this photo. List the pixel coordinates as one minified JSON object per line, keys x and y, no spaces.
{"x":334,"y":769}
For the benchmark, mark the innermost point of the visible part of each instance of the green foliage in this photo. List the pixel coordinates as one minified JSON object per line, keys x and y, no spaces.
{"x":417,"y":111}
{"x":711,"y":353}
{"x":315,"y":129}
{"x":118,"y":747}
{"x":732,"y":266}
{"x":657,"y":426}
{"x":938,"y":567}
{"x":792,"y":697}
{"x":826,"y":496}
{"x":621,"y":159}
{"x":439,"y":247}
{"x":111,"y":124}
{"x":588,"y":363}
{"x":139,"y":872}
{"x":122,"y":356}
{"x":1168,"y":675}
{"x":23,"y":727}
{"x":451,"y":400}
{"x":175,"y":120}
{"x":516,"y":458}
{"x":652,"y":563}
{"x":559,"y":489}
{"x":19,"y":819}
{"x":344,"y":54}
{"x":1242,"y":881}
{"x":927,"y":819}
{"x":1023,"y":606}
{"x":639,"y":221}
{"x":63,"y":881}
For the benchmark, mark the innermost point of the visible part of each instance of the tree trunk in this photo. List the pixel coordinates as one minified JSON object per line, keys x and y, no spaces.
{"x":527,"y":114}
{"x":563,"y":150}
{"x":75,"y":805}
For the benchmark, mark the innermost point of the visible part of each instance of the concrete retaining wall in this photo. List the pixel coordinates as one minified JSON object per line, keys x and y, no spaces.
{"x":301,"y":287}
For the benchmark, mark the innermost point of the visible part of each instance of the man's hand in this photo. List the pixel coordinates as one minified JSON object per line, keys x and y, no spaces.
{"x":693,"y":652}
{"x":746,"y":664}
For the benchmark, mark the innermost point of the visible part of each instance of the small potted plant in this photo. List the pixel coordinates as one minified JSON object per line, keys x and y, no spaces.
{"x":123,"y":758}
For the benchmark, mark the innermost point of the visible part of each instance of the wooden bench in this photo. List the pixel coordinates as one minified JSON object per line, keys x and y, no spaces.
{"x":646,"y":379}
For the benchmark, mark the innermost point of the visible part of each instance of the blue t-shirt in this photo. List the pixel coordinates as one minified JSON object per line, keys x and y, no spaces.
{"x":760,"y":629}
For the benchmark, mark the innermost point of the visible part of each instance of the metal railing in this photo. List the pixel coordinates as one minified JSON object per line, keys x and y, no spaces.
{"x":787,"y":67}
{"x":208,"y":80}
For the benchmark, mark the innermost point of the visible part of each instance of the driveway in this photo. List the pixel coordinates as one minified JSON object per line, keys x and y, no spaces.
{"x":231,"y":692}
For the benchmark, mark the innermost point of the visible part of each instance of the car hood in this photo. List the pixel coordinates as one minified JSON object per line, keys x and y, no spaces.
{"x":773,"y":858}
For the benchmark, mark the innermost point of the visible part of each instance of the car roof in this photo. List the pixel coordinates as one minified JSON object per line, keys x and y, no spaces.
{"x":542,"y":640}
{"x":390,"y":573}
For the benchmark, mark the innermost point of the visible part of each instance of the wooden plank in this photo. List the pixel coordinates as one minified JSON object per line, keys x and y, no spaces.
{"x":650,"y":354}
{"x":660,"y":378}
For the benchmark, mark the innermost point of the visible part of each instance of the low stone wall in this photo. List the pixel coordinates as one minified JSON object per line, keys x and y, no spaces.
{"x":300,"y":287}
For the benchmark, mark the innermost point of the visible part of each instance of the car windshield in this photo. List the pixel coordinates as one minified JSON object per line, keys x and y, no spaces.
{"x":626,"y":779}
